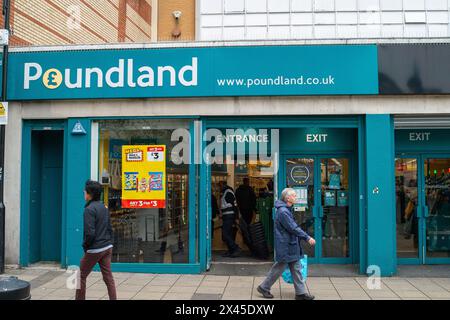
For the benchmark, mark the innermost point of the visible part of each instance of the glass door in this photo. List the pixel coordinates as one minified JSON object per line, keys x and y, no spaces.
{"x":300,"y":176}
{"x":324,"y":204}
{"x":334,"y":210}
{"x":436,"y":211}
{"x":408,"y":210}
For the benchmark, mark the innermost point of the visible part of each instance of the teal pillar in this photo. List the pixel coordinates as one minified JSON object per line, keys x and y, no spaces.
{"x":77,"y":171}
{"x":380,"y":191}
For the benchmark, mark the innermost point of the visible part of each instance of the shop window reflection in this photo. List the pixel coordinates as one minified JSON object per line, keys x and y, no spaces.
{"x":437,"y":189}
{"x":156,"y":235}
{"x":406,"y":207}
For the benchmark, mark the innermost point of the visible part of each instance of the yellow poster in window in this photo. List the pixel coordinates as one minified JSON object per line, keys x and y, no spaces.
{"x":144,"y":176}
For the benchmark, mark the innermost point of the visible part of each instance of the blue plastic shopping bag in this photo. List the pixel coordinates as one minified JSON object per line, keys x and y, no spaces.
{"x":303,"y":262}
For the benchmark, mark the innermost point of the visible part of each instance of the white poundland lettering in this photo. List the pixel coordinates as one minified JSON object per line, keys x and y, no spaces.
{"x":124,"y":74}
{"x":419,"y":136}
{"x":312,"y":138}
{"x":186,"y":310}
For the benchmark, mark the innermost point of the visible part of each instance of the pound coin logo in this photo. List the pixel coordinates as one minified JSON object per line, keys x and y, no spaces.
{"x":52,"y":78}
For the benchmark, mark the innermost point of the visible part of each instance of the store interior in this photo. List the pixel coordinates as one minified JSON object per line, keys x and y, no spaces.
{"x":255,"y":241}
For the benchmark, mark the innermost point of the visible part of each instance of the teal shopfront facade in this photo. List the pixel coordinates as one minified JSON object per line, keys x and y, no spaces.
{"x":354,"y":171}
{"x":346,"y":142}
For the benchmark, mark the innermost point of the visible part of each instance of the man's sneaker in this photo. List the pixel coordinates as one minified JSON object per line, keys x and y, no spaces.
{"x":226,"y":254}
{"x":304,"y":297}
{"x":265,"y":294}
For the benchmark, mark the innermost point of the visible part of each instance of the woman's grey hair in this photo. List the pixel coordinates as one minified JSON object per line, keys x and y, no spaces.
{"x":286,"y":192}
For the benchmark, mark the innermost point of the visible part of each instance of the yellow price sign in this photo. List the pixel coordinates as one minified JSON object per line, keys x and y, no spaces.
{"x":144,"y":176}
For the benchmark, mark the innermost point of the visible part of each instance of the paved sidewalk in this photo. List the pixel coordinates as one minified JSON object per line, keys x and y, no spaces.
{"x":51,"y":285}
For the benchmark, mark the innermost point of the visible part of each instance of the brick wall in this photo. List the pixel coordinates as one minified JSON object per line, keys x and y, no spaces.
{"x":166,"y":20}
{"x":56,"y":22}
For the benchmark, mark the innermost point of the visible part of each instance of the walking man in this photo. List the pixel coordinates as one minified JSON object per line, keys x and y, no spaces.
{"x":288,"y":250}
{"x":97,"y":244}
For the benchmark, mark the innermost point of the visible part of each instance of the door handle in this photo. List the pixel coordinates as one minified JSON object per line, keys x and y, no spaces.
{"x":426,"y":212}
{"x":320,"y":212}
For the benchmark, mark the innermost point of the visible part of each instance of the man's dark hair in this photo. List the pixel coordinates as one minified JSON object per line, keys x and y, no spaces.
{"x":94,"y":189}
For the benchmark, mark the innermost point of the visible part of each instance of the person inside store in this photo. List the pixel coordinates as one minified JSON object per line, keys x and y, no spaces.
{"x":246,"y":200}
{"x":98,"y":239}
{"x":214,"y":213}
{"x":229,"y":213}
{"x":288,"y":250}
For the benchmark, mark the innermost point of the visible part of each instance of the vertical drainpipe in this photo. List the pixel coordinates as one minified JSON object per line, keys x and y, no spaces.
{"x":6,"y":15}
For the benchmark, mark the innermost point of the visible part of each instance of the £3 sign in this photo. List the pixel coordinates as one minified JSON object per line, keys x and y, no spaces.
{"x":144,"y":176}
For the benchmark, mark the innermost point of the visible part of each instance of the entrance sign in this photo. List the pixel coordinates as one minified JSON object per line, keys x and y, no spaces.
{"x":194,"y":72}
{"x":144,"y":176}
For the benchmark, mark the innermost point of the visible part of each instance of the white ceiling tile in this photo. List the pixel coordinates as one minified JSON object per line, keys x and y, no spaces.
{"x":279,"y":32}
{"x":415,"y":17}
{"x":255,"y":5}
{"x":325,"y":32}
{"x":392,"y":17}
{"x":256,"y":32}
{"x":234,"y":33}
{"x":323,"y":5}
{"x":278,"y":5}
{"x":302,"y":18}
{"x":391,"y":5}
{"x":346,"y":5}
{"x":211,"y":20}
{"x":436,"y":5}
{"x":279,"y":19}
{"x":346,"y":18}
{"x":233,"y":20}
{"x":368,"y":5}
{"x":302,"y":5}
{"x":211,"y":34}
{"x":437,"y":17}
{"x":392,"y":31}
{"x":440,"y":31}
{"x":234,"y":6}
{"x":324,"y":18}
{"x":256,"y":19}
{"x":414,"y":4}
{"x":302,"y":32}
{"x":347,"y":31}
{"x":211,"y":6}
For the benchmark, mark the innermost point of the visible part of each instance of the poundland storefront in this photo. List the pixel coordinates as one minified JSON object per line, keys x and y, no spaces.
{"x":161,"y":127}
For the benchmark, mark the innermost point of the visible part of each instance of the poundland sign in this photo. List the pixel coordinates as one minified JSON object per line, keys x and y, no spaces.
{"x":194,"y":72}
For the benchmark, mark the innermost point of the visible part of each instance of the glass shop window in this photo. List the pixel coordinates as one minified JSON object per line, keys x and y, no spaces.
{"x":149,"y":235}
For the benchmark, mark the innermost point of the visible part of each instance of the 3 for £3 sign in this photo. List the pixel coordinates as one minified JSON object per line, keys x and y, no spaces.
{"x":144,"y":176}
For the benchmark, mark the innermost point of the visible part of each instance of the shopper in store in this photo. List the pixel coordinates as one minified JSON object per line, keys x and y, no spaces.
{"x":288,"y":250}
{"x":214,"y":213}
{"x":246,"y":200}
{"x":229,"y":214}
{"x":97,"y":244}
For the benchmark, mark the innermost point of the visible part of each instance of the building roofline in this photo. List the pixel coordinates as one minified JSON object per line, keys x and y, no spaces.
{"x":205,"y":44}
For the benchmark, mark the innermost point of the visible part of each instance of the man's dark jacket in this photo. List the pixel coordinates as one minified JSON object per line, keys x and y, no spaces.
{"x":98,"y":232}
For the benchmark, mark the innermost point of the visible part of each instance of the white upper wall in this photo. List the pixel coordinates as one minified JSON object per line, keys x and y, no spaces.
{"x":322,"y":19}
